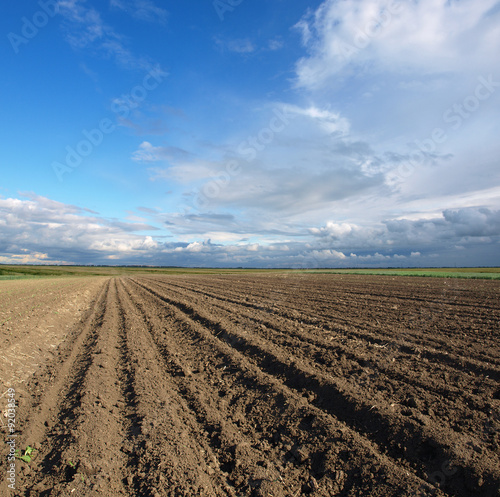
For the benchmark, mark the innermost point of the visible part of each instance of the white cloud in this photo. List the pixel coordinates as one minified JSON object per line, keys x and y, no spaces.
{"x":194,"y":247}
{"x":85,"y":29}
{"x":31,"y":258}
{"x":330,"y":122}
{"x":327,"y":254}
{"x":425,"y":36}
{"x":149,"y":153}
{"x":126,"y":245}
{"x":144,"y":10}
{"x":335,"y":230}
{"x":386,"y":77}
{"x":40,"y":230}
{"x":276,"y":44}
{"x":239,"y":45}
{"x":303,"y":162}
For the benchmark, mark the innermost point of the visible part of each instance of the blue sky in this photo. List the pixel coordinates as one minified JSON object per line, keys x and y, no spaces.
{"x":263,"y":133}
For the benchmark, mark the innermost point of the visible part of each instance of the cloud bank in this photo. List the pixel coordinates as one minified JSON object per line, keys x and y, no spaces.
{"x":36,"y":229}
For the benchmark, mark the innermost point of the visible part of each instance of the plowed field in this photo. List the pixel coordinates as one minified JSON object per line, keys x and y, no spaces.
{"x":259,"y":385}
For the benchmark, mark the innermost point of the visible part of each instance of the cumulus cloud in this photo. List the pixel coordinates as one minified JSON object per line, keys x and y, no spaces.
{"x":36,"y":229}
{"x":473,"y":222}
{"x":31,"y":258}
{"x":37,"y":225}
{"x":335,"y":230}
{"x":327,"y":254}
{"x":425,"y":36}
{"x":415,"y":238}
{"x":391,"y":79}
{"x":455,"y":227}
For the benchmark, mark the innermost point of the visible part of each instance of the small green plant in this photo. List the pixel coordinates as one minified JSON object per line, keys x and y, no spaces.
{"x":25,"y":455}
{"x":74,"y":466}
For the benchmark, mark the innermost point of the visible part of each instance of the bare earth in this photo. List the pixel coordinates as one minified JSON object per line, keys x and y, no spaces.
{"x":253,"y":385}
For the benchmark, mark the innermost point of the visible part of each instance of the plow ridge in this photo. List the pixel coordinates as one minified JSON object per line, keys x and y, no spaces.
{"x":293,"y":338}
{"x":428,"y":450}
{"x":269,"y":386}
{"x":461,"y":362}
{"x":323,"y":349}
{"x":262,"y":385}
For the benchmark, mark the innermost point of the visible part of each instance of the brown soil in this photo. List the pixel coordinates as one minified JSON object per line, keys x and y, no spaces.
{"x":260,"y":385}
{"x":35,"y":317}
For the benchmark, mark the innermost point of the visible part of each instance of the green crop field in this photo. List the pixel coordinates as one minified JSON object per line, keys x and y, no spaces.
{"x":9,"y":272}
{"x":14,"y":272}
{"x":470,"y":273}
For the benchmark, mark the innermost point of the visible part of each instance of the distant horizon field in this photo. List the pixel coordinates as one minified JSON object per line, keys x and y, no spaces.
{"x":492,"y":273}
{"x":12,"y":272}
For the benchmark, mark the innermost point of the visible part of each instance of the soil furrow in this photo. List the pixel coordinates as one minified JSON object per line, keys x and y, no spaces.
{"x":364,"y":329}
{"x":366,"y":364}
{"x":90,"y":461}
{"x":235,"y":363}
{"x":424,"y":448}
{"x":253,"y":385}
{"x":48,"y":420}
{"x":209,"y":426}
{"x":326,"y":345}
{"x":167,"y":432}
